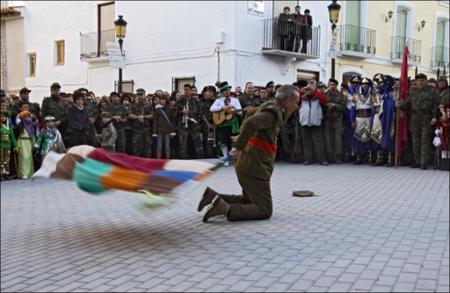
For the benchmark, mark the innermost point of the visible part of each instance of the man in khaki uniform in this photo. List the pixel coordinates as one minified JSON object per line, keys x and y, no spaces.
{"x":255,"y":150}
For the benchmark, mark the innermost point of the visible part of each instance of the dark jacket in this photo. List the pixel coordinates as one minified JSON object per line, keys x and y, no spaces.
{"x":160,"y":124}
{"x":285,"y":24}
{"x":77,"y":126}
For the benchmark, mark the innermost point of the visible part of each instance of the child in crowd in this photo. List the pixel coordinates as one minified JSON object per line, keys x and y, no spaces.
{"x":28,"y":129}
{"x":163,"y":126}
{"x":109,"y":133}
{"x":49,"y":139}
{"x":7,"y":141}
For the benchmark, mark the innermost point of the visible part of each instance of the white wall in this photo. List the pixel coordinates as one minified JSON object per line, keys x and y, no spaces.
{"x":164,"y":39}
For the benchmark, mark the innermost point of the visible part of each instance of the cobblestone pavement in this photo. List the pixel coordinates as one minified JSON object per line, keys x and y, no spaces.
{"x":368,"y":228}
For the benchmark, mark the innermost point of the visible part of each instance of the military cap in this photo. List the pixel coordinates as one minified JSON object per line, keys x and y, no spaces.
{"x":333,"y":81}
{"x":24,"y":90}
{"x":55,"y":85}
{"x":302,"y":193}
{"x":106,"y":115}
{"x":140,"y":91}
{"x":49,"y":118}
{"x":421,"y":75}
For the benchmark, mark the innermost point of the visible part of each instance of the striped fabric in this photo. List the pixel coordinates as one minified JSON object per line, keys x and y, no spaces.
{"x":96,"y":170}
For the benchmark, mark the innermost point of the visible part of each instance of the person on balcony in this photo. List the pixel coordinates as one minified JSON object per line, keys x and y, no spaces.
{"x":286,"y":30}
{"x":308,"y":30}
{"x":300,"y":24}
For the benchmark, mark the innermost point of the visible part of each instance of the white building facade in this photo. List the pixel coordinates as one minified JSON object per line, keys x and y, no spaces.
{"x":167,"y":43}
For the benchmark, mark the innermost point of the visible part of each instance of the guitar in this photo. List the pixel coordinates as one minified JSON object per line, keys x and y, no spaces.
{"x":220,"y":116}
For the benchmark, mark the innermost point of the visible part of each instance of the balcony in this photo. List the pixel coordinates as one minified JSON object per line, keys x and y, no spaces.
{"x":356,"y":41}
{"x":398,"y":47}
{"x":290,"y":39}
{"x":440,"y":57}
{"x":93,"y":45}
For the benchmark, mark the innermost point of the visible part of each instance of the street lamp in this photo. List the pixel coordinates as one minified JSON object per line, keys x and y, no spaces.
{"x":333,"y":10}
{"x":121,"y":30}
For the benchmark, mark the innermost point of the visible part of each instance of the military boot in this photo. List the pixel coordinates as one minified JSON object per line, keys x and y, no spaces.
{"x":218,"y":207}
{"x":207,"y":198}
{"x":390,"y":162}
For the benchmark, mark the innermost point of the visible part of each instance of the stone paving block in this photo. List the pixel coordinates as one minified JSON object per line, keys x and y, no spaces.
{"x":395,"y":235}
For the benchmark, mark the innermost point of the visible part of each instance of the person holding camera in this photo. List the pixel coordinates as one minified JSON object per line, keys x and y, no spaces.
{"x":311,"y":115}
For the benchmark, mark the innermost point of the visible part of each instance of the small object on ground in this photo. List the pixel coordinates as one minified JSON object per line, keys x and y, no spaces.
{"x":302,"y":193}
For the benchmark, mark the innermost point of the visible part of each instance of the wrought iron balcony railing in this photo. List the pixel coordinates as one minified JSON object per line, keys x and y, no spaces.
{"x":398,"y":48}
{"x":357,"y":39}
{"x":291,"y":37}
{"x":93,"y":45}
{"x":440,"y":57}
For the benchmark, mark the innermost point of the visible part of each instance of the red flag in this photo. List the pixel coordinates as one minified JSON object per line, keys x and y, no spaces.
{"x":402,"y":130}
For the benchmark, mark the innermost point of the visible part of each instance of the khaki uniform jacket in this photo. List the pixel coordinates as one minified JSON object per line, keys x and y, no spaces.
{"x":423,"y":104}
{"x":55,"y":107}
{"x":264,"y":126}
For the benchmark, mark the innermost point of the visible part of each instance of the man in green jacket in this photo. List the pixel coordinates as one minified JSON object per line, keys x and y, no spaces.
{"x":254,"y":150}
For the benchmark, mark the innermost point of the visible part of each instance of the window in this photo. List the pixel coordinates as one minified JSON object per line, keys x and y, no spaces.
{"x":127,"y":86}
{"x":32,"y":64}
{"x":178,"y":83}
{"x":105,"y":26}
{"x":279,"y":5}
{"x":440,"y":50}
{"x":60,"y":52}
{"x":352,"y":29}
{"x":307,"y":75}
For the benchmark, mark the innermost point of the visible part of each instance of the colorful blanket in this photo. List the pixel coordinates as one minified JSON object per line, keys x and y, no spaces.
{"x":96,"y":170}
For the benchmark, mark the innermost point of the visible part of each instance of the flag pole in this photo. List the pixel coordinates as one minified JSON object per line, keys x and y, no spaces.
{"x":397,"y":110}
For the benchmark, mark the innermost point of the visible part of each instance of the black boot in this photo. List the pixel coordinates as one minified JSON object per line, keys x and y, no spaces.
{"x":207,"y":198}
{"x":218,"y":207}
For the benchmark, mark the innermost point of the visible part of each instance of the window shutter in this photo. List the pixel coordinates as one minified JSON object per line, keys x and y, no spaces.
{"x":440,"y":41}
{"x":353,"y":22}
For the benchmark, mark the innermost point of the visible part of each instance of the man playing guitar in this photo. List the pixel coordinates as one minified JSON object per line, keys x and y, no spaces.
{"x":224,"y":112}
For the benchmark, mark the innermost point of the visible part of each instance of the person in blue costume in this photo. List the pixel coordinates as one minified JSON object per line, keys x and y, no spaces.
{"x":389,"y":97}
{"x":349,"y":92}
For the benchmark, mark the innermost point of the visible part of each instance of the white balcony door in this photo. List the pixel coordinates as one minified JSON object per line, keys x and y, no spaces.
{"x":352,"y":29}
{"x":400,"y":42}
{"x":106,"y":27}
{"x":440,"y":41}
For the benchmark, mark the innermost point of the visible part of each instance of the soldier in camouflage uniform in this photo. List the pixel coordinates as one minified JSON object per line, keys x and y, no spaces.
{"x":208,"y":126}
{"x":334,"y":125}
{"x":423,"y":103}
{"x":91,"y":110}
{"x":141,"y":115}
{"x":53,"y":106}
{"x":188,"y":110}
{"x":119,"y":115}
